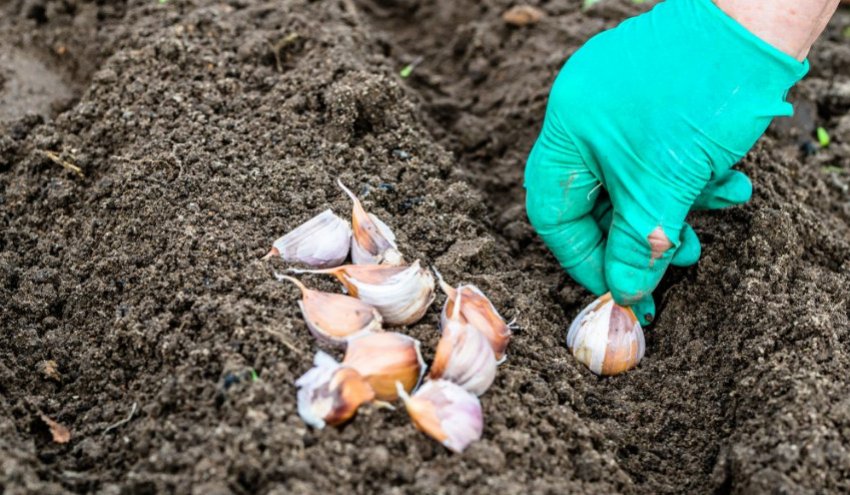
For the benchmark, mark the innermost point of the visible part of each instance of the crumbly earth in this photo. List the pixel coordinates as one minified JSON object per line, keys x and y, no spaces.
{"x":133,"y":304}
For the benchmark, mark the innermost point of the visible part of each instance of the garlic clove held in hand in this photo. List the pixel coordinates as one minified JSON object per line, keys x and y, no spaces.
{"x":445,"y":412}
{"x":479,"y":312}
{"x":464,"y":355}
{"x":372,"y":242}
{"x":323,"y":241}
{"x":384,"y":359}
{"x":335,"y":318}
{"x":606,"y":337}
{"x":330,"y":393}
{"x":401,"y":294}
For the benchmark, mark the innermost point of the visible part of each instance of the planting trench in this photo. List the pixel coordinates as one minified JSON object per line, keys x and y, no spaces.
{"x":204,"y":130}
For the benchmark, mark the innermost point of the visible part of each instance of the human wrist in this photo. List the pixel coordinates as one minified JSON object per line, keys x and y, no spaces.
{"x":791,"y":26}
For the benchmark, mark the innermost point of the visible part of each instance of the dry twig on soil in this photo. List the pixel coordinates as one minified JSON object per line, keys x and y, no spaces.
{"x":55,"y":158}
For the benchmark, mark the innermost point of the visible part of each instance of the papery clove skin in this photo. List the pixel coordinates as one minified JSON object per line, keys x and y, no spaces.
{"x":372,"y":240}
{"x":607,"y":337}
{"x":321,"y":242}
{"x":402,"y":294}
{"x":478,"y":311}
{"x":351,"y":276}
{"x":329,"y":393}
{"x":384,"y":359}
{"x":464,"y":355}
{"x":445,"y":412}
{"x":335,"y":318}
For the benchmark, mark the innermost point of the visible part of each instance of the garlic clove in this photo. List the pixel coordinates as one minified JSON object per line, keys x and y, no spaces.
{"x":330,"y":393}
{"x":335,"y":318}
{"x":607,"y":337}
{"x":350,"y":276}
{"x":401,"y":294}
{"x":323,"y":241}
{"x":445,"y":412}
{"x":464,"y":355}
{"x":478,"y":311}
{"x":373,"y":242}
{"x":384,"y":359}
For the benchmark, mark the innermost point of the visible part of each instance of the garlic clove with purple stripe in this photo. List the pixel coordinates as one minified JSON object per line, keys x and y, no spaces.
{"x":477,"y":310}
{"x":401,"y":294}
{"x":335,"y":318}
{"x":464,"y":355}
{"x":445,"y":412}
{"x":321,"y":242}
{"x":385,"y":359}
{"x":372,"y":241}
{"x":607,"y":337}
{"x":329,"y":393}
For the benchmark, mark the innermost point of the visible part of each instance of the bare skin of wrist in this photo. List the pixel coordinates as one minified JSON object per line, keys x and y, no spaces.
{"x":792,"y":26}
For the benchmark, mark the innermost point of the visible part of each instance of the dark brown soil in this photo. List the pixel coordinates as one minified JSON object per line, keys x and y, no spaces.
{"x":204,"y":129}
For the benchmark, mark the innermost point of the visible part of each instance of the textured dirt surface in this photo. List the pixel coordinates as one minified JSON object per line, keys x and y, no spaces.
{"x":133,"y":305}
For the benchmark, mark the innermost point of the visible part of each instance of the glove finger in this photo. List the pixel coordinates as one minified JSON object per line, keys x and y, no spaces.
{"x":603,"y":211}
{"x":687,"y":254}
{"x":645,"y":310}
{"x":689,"y":248}
{"x":730,"y":189}
{"x":689,"y":251}
{"x":560,"y":194}
{"x":635,"y":262}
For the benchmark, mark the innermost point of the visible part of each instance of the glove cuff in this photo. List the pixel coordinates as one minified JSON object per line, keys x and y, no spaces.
{"x":782,"y":69}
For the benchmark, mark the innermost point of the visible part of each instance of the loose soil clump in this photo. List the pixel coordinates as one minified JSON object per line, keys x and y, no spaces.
{"x":135,"y":310}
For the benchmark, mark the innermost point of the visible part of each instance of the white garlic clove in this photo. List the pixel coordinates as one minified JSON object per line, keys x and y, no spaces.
{"x":401,"y":294}
{"x":372,"y":241}
{"x":321,"y":242}
{"x":350,"y":276}
{"x":402,"y":298}
{"x":445,"y":412}
{"x":384,"y":359}
{"x":330,"y":393}
{"x":478,"y":311}
{"x":607,"y":337}
{"x":464,"y":355}
{"x":335,"y":318}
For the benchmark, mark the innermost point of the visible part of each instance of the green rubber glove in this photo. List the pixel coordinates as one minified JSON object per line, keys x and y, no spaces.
{"x":643,"y":124}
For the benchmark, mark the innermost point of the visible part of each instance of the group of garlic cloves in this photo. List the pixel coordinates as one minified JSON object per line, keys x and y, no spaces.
{"x":384,"y":366}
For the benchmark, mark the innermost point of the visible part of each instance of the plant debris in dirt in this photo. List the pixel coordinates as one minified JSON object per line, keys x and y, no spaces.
{"x":201,"y":135}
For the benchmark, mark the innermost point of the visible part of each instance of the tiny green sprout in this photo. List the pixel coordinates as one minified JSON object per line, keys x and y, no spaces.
{"x":823,"y":137}
{"x":589,"y":3}
{"x":163,"y":2}
{"x":846,"y":32}
{"x":254,"y":376}
{"x":638,"y":2}
{"x":408,"y":69}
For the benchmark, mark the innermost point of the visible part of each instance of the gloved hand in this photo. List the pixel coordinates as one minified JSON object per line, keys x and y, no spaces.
{"x":643,"y":123}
